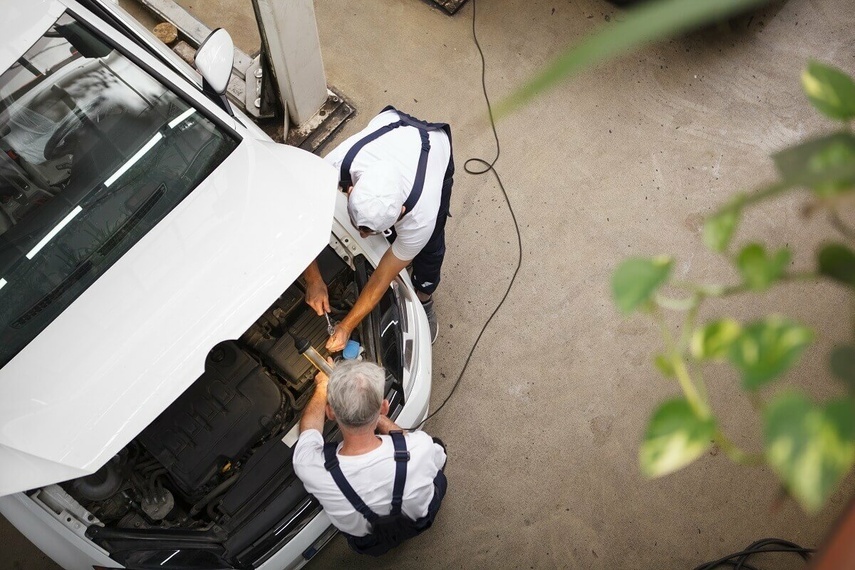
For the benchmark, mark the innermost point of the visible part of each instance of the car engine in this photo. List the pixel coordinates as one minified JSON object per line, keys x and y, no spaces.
{"x":235,"y":403}
{"x":218,"y":460}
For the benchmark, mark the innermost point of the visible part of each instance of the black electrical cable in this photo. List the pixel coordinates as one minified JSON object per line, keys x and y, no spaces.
{"x":739,"y":560}
{"x":483,"y":167}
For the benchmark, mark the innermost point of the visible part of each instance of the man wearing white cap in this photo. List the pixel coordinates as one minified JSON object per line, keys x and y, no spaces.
{"x":398,"y":174}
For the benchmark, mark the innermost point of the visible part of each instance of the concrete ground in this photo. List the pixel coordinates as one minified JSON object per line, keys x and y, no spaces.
{"x":544,"y":429}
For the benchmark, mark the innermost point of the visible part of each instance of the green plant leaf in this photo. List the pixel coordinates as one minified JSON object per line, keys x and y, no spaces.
{"x":713,"y":341}
{"x":830,"y":90}
{"x":664,"y":365}
{"x":843,"y":364}
{"x":675,"y":437}
{"x":760,"y":270}
{"x":637,"y":27}
{"x":832,"y":169}
{"x":636,"y":279}
{"x":837,"y":262}
{"x":767,"y":348}
{"x":719,"y":229}
{"x":810,"y":447}
{"x":825,"y":164}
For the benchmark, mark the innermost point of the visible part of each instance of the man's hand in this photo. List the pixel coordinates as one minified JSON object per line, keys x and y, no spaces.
{"x":317,"y":296}
{"x":321,"y":379}
{"x":385,"y":425}
{"x":339,"y":338}
{"x":388,"y":268}
{"x":313,"y":414}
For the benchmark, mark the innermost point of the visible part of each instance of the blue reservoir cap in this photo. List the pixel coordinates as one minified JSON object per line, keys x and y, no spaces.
{"x":351,"y":350}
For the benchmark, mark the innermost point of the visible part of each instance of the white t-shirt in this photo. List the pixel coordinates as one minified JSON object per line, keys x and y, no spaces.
{"x":401,"y":148}
{"x":371,"y":475}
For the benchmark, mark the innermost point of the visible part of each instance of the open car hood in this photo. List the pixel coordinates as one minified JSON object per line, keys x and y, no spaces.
{"x":138,"y":337}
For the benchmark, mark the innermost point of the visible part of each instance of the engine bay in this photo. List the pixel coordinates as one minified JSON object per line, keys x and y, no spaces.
{"x":211,"y":476}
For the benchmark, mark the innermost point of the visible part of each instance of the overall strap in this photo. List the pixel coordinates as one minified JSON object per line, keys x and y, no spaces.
{"x":419,"y":182}
{"x":413,"y":121}
{"x":345,"y":179}
{"x":402,"y":456}
{"x":424,"y":127}
{"x":331,"y":465}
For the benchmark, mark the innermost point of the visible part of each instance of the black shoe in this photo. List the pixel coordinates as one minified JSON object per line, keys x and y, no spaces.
{"x":431,"y":315}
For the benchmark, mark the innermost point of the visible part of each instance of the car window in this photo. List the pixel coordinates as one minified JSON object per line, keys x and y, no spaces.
{"x":94,"y":151}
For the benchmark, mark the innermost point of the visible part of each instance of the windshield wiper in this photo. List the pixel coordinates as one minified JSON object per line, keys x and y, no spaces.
{"x":133,"y":220}
{"x":57,"y":292}
{"x":88,"y":263}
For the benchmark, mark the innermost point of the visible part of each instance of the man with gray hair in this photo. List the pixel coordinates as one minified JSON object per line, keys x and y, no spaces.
{"x":379,"y":486}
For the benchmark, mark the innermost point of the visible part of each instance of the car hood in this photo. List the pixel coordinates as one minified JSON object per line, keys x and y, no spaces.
{"x":138,"y":337}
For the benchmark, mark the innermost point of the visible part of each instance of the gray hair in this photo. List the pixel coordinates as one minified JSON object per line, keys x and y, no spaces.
{"x":355,"y":392}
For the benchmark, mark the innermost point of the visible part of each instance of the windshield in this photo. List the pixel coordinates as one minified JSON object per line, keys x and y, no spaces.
{"x":94,"y":151}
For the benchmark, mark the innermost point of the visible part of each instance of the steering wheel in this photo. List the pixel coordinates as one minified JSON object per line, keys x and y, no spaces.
{"x":62,"y":139}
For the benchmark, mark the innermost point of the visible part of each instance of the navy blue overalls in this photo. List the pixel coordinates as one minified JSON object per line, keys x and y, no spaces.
{"x":428,"y":263}
{"x":390,"y":530}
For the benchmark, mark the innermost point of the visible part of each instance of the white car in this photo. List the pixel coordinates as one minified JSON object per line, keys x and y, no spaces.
{"x":151,"y":247}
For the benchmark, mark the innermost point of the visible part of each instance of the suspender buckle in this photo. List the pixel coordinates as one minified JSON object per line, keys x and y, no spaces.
{"x":402,"y":456}
{"x":401,"y":453}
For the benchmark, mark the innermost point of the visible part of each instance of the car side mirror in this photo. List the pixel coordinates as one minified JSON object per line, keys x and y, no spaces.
{"x":214,"y":60}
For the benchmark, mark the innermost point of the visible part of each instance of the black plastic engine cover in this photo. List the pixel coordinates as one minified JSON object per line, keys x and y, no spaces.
{"x":284,"y":357}
{"x":216,"y":420}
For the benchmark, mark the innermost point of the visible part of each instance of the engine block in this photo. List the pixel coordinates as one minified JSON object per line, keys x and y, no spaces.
{"x":232,"y":406}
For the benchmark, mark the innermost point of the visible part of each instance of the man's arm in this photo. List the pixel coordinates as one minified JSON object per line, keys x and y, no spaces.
{"x":388,"y":268}
{"x":317,"y":296}
{"x":385,"y":425}
{"x":314,"y":413}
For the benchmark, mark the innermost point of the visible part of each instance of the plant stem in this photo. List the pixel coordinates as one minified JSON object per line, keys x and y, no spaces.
{"x":734,"y":290}
{"x":743,"y":200}
{"x":689,"y":390}
{"x":734,"y":453}
{"x":694,"y":398}
{"x":718,"y":291}
{"x":700,"y":289}
{"x":676,"y":304}
{"x":689,"y":325}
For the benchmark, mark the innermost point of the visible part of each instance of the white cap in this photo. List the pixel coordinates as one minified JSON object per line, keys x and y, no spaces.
{"x":377,"y":198}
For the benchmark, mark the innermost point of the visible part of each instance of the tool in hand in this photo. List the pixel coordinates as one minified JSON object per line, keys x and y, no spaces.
{"x":330,"y":325}
{"x":312,"y":355}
